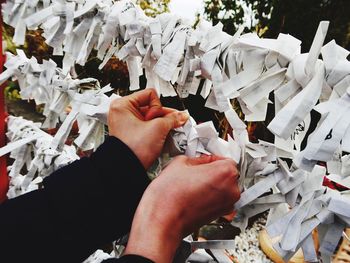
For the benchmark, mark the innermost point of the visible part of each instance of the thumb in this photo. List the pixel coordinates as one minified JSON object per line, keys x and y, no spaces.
{"x":204,"y":159}
{"x":156,"y":112}
{"x":173,"y":120}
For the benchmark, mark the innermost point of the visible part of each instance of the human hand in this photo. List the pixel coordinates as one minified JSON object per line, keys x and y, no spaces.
{"x":189,"y":193}
{"x":140,"y":121}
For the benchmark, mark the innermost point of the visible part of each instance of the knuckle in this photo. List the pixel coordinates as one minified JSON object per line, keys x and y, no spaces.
{"x":180,"y":158}
{"x":152,"y":91}
{"x":224,"y":169}
{"x":236,"y":193}
{"x":235,"y":173}
{"x":232,"y":194}
{"x":233,"y":170}
{"x":115,"y":105}
{"x":227,"y":209}
{"x":228,"y":168}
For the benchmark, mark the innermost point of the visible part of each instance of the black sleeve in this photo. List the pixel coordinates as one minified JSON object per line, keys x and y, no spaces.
{"x":128,"y":259}
{"x":82,"y":206}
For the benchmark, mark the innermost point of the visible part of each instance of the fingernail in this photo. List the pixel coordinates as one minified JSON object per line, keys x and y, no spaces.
{"x":182,"y":116}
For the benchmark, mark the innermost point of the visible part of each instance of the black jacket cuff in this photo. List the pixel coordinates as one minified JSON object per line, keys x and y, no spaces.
{"x":93,"y":200}
{"x":128,"y":259}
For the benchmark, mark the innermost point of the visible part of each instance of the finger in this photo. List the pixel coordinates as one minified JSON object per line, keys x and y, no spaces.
{"x":168,"y":110}
{"x":229,"y":216}
{"x":156,"y":112}
{"x":144,"y":110}
{"x":146,"y":97}
{"x":226,"y":167}
{"x":204,"y":159}
{"x":223,"y":161}
{"x":172,"y":120}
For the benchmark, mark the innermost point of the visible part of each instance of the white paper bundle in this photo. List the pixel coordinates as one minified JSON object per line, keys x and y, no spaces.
{"x":28,"y":140}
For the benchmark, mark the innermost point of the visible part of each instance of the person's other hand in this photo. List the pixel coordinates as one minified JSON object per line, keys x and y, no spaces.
{"x":189,"y":193}
{"x":140,"y":121}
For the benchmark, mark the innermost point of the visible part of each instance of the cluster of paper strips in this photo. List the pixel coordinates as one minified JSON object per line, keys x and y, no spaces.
{"x":177,"y":60}
{"x":28,"y":140}
{"x":84,"y":99}
{"x":45,"y":83}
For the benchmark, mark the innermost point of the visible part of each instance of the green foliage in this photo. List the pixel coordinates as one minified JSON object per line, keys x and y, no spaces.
{"x":7,"y":38}
{"x":115,"y":72}
{"x":229,"y":13}
{"x":154,"y":7}
{"x":12,"y":91}
{"x":233,"y":13}
{"x":34,"y":43}
{"x":259,"y":14}
{"x":299,"y":18}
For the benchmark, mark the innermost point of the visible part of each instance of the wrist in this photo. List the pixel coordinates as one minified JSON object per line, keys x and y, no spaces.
{"x":154,"y":234}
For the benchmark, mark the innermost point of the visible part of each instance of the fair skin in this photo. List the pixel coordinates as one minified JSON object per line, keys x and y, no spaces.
{"x":142,"y":123}
{"x":189,"y":192}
